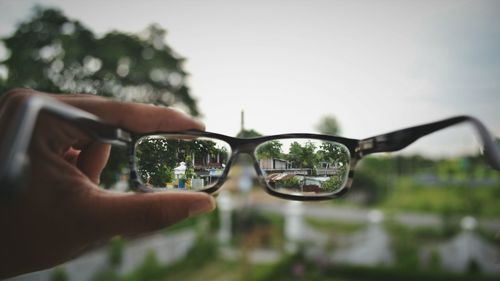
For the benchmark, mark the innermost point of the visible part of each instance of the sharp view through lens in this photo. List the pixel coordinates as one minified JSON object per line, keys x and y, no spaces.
{"x":297,"y":166}
{"x":354,"y":69}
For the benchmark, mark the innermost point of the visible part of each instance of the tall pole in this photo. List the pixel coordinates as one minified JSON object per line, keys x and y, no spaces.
{"x":242,"y":120}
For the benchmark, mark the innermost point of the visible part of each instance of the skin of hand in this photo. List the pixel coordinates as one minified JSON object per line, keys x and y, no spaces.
{"x":61,"y":211}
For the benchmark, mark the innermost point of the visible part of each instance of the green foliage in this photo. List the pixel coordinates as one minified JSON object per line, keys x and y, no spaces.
{"x":203,"y":252}
{"x":115,"y":251}
{"x":52,"y":53}
{"x":405,"y":242}
{"x":189,"y":167}
{"x":246,"y":220}
{"x":328,"y":125}
{"x":107,"y":274}
{"x":334,"y":153}
{"x":473,"y":267}
{"x":149,"y":270}
{"x":460,"y":186}
{"x":59,"y":274}
{"x":373,"y":186}
{"x":334,"y":183}
{"x":292,"y":182}
{"x":157,"y":157}
{"x":270,"y":149}
{"x":435,"y":261}
{"x":303,"y":156}
{"x":393,"y":274}
{"x":457,"y":199}
{"x":115,"y":257}
{"x":336,"y":227}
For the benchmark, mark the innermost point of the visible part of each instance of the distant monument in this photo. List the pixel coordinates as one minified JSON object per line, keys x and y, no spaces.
{"x":244,"y":133}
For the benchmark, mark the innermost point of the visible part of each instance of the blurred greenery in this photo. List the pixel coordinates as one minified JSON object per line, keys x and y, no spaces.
{"x":460,"y":186}
{"x":59,"y":274}
{"x":252,"y":228}
{"x":157,"y":157}
{"x":298,"y":267}
{"x":211,"y":218}
{"x":334,"y":226}
{"x":107,"y":274}
{"x":328,"y":125}
{"x":115,"y":252}
{"x":270,"y":149}
{"x":52,"y":53}
{"x":458,"y":199}
{"x":205,"y":251}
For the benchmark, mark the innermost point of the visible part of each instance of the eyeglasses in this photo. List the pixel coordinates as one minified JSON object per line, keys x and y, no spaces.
{"x":289,"y":166}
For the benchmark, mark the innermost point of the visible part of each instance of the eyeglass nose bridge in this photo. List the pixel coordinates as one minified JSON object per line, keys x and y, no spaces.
{"x":245,"y":150}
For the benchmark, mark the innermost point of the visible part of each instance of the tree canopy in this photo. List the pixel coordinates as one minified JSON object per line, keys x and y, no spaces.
{"x":270,"y":149}
{"x":50,"y":52}
{"x":328,"y":125}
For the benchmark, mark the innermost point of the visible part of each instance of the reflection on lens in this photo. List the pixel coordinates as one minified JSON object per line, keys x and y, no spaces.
{"x":304,"y":167}
{"x":179,"y":162}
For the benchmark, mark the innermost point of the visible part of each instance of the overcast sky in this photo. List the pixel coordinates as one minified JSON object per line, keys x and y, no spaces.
{"x":375,"y":65}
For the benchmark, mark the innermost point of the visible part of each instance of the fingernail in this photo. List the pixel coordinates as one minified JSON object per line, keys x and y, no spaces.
{"x":202,"y":206}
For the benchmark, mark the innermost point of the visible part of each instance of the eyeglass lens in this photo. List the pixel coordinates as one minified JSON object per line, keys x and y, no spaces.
{"x":297,"y":166}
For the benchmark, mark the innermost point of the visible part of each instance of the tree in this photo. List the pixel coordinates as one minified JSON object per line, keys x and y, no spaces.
{"x":53,"y":53}
{"x":334,"y":183}
{"x":303,"y":156}
{"x":334,"y":153}
{"x":156,"y":158}
{"x":295,"y":154}
{"x":328,"y":125}
{"x":270,"y":149}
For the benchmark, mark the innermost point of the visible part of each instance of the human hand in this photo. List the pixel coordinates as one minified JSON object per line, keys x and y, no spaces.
{"x":62,"y":211}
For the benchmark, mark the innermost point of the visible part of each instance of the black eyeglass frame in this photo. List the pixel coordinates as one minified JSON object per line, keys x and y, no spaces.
{"x":14,"y":159}
{"x":358,"y":148}
{"x":244,"y":146}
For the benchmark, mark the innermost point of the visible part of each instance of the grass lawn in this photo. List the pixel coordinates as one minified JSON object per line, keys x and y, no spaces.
{"x":452,"y":199}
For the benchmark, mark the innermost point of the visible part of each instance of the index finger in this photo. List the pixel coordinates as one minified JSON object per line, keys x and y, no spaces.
{"x":136,"y":117}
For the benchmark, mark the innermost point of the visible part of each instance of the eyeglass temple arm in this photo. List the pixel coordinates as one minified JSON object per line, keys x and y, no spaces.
{"x":13,"y":153}
{"x":400,"y":139}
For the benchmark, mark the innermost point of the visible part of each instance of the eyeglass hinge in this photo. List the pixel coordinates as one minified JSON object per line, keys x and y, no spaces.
{"x":120,"y":138}
{"x":123,"y":135}
{"x":366,"y":144}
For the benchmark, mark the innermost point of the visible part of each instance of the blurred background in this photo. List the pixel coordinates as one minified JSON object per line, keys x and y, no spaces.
{"x":248,"y":68}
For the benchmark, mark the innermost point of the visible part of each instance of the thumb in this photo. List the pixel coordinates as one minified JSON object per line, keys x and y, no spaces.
{"x":137,"y":213}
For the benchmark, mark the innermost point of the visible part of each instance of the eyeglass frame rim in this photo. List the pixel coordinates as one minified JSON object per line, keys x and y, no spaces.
{"x":13,"y":153}
{"x":235,"y":142}
{"x":388,"y":142}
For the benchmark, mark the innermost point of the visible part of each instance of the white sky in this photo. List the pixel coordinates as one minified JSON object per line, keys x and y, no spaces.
{"x":375,"y":65}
